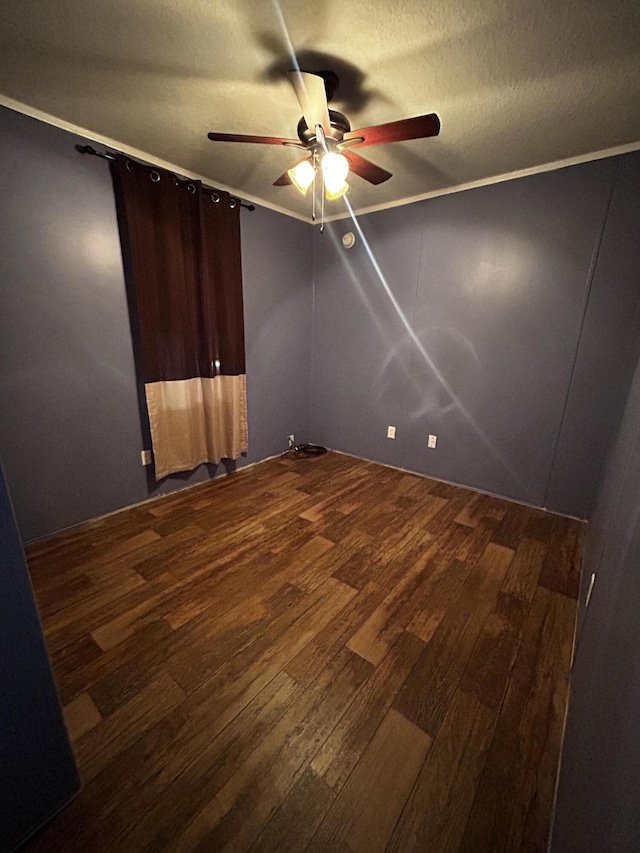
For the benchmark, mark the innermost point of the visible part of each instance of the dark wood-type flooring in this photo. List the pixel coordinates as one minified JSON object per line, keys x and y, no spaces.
{"x":313,"y":655}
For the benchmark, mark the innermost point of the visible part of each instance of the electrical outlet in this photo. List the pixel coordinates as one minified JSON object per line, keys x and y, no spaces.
{"x":391,"y":432}
{"x":292,"y":441}
{"x":145,"y":455}
{"x":433,"y":440}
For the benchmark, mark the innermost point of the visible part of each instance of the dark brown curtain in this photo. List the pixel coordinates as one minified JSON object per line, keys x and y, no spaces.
{"x":182,"y":242}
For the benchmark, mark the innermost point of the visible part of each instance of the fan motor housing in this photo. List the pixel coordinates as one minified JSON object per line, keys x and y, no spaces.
{"x":339,"y":126}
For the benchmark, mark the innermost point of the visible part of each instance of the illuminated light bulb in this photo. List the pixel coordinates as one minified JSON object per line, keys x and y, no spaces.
{"x":344,"y":188}
{"x":302,"y":175}
{"x":335,"y":168}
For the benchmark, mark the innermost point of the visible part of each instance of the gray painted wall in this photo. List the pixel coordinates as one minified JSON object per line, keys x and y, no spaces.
{"x":604,"y":362}
{"x":473,"y":333}
{"x":70,"y":433}
{"x":600,"y":776}
{"x":38,"y":773}
{"x":276,"y":259}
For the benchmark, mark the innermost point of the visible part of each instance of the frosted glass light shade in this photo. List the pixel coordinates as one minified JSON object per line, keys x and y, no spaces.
{"x":335,"y":168}
{"x":302,"y":175}
{"x":337,"y":193}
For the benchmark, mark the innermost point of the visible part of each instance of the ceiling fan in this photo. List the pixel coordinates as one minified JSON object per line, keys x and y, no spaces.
{"x":327,"y":139}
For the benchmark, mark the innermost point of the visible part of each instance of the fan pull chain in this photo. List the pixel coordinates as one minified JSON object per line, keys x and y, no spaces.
{"x":313,"y":205}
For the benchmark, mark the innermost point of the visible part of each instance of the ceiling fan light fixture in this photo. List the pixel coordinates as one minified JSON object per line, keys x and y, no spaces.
{"x":335,"y":168}
{"x":302,"y":175}
{"x":332,"y":195}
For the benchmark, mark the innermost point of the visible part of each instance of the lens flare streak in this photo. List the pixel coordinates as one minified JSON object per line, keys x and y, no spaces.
{"x":425,"y":355}
{"x":419,"y":346}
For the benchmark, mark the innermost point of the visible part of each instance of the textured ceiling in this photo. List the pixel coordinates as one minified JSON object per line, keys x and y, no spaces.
{"x":517,"y":84}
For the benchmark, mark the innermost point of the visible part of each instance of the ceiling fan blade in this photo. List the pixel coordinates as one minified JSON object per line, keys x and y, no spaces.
{"x":262,"y":140}
{"x":312,"y":97}
{"x":366,"y":169}
{"x":419,"y":127}
{"x":285,"y":180}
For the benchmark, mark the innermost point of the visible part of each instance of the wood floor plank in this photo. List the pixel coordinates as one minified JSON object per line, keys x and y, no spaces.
{"x":428,"y":691}
{"x":221,"y":585}
{"x":381,"y":566}
{"x":442,"y":586}
{"x":223,"y":641}
{"x":540,"y":525}
{"x":513,"y":526}
{"x":76,"y":653}
{"x":528,"y":731}
{"x":262,"y":661}
{"x":524,"y":572}
{"x":367,"y":808}
{"x":341,"y":751}
{"x":434,"y":605}
{"x":178,"y":753}
{"x":541,"y":731}
{"x":491,"y":663}
{"x":309,"y":575}
{"x":232,"y":820}
{"x":152,"y":641}
{"x":314,"y":657}
{"x":375,"y":637}
{"x":418,"y":512}
{"x":127,"y":624}
{"x":188,"y":779}
{"x":281,"y":641}
{"x":81,"y":715}
{"x":560,"y":571}
{"x":436,"y":814}
{"x":479,"y":508}
{"x":151,"y":650}
{"x":474,"y":545}
{"x":97,"y":747}
{"x":489,"y":668}
{"x":303,"y":808}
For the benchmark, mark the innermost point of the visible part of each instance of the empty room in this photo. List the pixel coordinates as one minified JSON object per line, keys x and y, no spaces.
{"x":319,"y":417}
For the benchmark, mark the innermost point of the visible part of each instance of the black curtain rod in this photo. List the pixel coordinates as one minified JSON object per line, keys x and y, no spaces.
{"x":89,"y":149}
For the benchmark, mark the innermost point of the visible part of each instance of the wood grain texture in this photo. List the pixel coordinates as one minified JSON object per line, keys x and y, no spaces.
{"x":81,"y":715}
{"x":342,"y":749}
{"x":429,"y":689}
{"x":527,"y":732}
{"x":321,"y":654}
{"x":295,"y":822}
{"x":436,"y":813}
{"x":366,"y":811}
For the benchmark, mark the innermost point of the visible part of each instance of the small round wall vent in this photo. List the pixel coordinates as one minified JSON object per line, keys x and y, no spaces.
{"x":348,"y":239}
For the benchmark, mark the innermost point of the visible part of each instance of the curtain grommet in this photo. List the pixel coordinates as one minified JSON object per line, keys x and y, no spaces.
{"x":129,"y":166}
{"x":191,"y":189}
{"x":155,"y":176}
{"x":215,"y":197}
{"x":232,"y":203}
